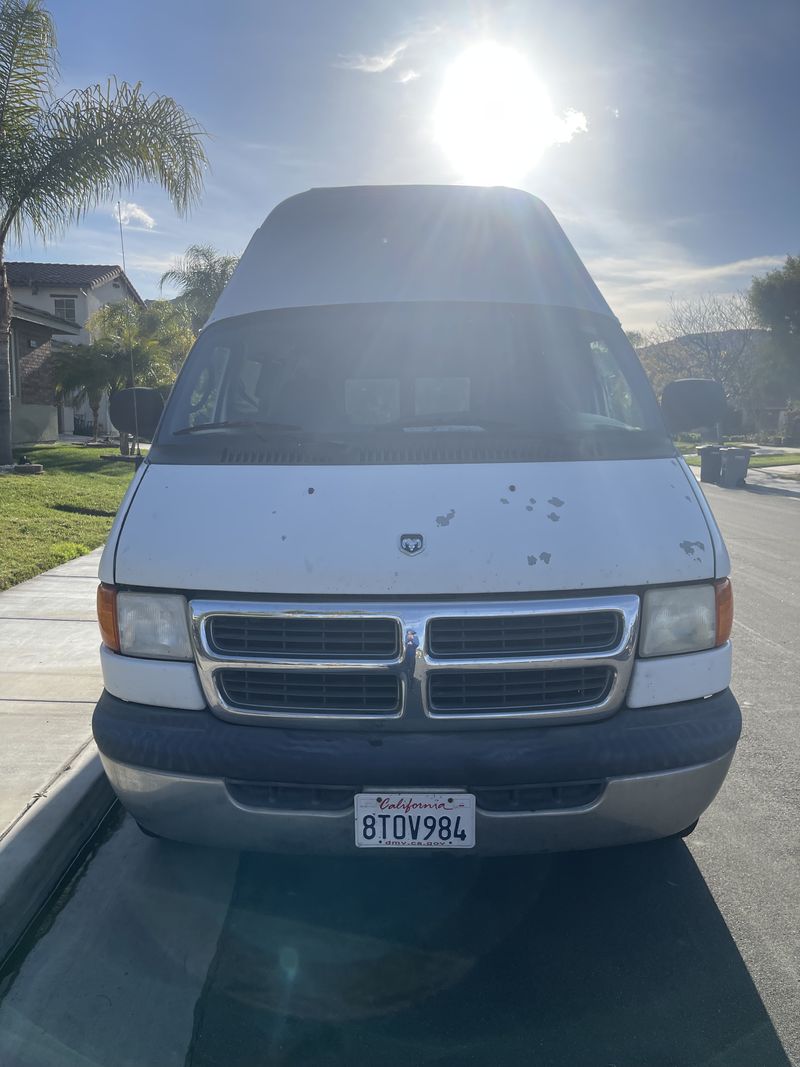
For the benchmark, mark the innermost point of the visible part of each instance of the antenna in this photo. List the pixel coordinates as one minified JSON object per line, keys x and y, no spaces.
{"x":130,"y":344}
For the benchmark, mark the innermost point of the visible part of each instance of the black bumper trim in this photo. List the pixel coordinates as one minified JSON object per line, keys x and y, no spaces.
{"x":633,"y":741}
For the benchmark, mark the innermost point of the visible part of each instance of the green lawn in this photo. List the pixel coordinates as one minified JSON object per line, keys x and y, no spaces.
{"x":50,"y":518}
{"x":758,"y":461}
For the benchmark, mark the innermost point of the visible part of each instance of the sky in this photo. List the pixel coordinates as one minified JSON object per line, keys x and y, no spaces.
{"x":663,"y":135}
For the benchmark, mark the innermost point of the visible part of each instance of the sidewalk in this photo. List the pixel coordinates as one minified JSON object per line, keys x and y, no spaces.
{"x":52,"y":788}
{"x":783,"y":480}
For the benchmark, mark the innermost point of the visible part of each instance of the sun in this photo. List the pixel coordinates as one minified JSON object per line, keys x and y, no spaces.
{"x":494,"y":119}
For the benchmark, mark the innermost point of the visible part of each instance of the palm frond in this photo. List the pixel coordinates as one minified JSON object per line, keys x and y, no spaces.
{"x":200,"y":275}
{"x":28,"y":65}
{"x":156,"y":338}
{"x":95,"y":142}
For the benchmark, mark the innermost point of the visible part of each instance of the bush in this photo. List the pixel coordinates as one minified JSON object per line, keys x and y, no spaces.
{"x":791,"y":434}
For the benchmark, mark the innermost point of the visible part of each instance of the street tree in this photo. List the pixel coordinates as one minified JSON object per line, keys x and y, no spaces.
{"x":637,"y":338}
{"x":707,"y":337}
{"x":154,"y":339}
{"x":200,"y":276}
{"x":776,"y":301}
{"x":144,"y":345}
{"x":62,"y":156}
{"x":84,"y":372}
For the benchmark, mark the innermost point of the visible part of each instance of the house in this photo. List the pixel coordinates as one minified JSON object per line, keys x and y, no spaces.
{"x":69,"y":293}
{"x":34,"y":411}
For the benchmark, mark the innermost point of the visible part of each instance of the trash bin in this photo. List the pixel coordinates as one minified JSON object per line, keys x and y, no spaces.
{"x":735,"y":462}
{"x":710,"y":463}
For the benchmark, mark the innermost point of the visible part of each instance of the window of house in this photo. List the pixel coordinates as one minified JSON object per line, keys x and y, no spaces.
{"x":64,"y":307}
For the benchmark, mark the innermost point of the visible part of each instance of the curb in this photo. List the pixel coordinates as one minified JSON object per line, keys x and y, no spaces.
{"x":37,"y":852}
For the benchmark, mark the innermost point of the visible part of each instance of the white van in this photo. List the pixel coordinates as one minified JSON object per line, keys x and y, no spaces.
{"x":412,"y":561}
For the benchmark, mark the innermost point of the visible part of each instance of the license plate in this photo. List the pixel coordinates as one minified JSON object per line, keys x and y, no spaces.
{"x":415,"y":820}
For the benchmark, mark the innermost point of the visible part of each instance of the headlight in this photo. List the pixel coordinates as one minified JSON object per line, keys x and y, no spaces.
{"x":153,"y":625}
{"x":686,"y":618}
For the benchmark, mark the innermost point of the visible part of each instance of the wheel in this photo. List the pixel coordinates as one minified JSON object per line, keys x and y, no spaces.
{"x":690,"y":829}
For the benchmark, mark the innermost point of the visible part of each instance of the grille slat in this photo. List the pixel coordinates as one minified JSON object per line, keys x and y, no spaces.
{"x":555,"y":797}
{"x":278,"y":797}
{"x":309,"y":691}
{"x":561,"y":634}
{"x":275,"y":636}
{"x":457,"y":692}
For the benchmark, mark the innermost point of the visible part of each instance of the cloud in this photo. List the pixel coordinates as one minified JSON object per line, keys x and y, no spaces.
{"x":564,"y":129}
{"x":677,"y":274}
{"x":375,"y":64}
{"x":640,"y":265}
{"x":134,"y":216}
{"x":639,"y":288}
{"x":416,"y":36}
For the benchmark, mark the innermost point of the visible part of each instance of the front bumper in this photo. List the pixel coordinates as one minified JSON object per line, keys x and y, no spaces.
{"x":660,"y":768}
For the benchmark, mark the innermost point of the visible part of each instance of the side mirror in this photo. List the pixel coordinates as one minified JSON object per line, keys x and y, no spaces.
{"x":691,"y":403}
{"x":132,"y":409}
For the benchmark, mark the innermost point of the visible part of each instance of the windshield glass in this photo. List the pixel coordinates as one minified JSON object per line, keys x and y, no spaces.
{"x":412,"y":382}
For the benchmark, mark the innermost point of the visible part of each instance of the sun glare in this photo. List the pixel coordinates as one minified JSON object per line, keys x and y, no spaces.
{"x":494,"y":119}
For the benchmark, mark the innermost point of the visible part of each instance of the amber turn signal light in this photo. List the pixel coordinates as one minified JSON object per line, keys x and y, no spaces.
{"x":107,"y":616}
{"x":724,"y":597}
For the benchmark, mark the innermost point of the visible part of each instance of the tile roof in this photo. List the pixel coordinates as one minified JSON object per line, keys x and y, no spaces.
{"x":68,"y":275}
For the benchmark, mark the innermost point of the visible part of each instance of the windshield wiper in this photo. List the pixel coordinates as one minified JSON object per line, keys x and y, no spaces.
{"x":457,"y":419}
{"x":230,"y":424}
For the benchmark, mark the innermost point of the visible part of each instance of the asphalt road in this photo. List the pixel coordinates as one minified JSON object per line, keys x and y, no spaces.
{"x":672,"y":954}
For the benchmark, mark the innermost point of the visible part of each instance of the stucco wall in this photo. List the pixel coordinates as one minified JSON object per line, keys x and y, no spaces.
{"x":43,"y":299}
{"x":33,"y":423}
{"x":86,"y":303}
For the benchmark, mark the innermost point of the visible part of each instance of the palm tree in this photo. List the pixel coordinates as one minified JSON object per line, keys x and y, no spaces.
{"x":200,"y":275}
{"x":154,"y":338}
{"x":61,"y":157}
{"x":84,"y":372}
{"x":144,"y":346}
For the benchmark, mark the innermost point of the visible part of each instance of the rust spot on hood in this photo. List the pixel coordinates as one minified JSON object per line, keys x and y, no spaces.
{"x":690,"y":546}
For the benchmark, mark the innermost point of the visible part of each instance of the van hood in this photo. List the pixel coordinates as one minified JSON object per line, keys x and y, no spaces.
{"x":484,"y":529}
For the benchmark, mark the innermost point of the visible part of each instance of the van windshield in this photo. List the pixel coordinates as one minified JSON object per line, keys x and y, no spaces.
{"x":383,"y":383}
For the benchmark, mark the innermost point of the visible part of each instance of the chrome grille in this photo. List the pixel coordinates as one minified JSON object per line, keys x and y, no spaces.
{"x":312,"y":691}
{"x":304,"y":638}
{"x":417,"y":665}
{"x":521,"y":635}
{"x":552,"y":689}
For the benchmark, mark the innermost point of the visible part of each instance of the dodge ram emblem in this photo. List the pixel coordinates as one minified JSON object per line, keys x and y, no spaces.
{"x":411,"y":544}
